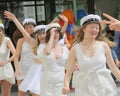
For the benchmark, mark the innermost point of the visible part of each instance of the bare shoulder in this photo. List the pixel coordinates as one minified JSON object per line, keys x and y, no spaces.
{"x":20,"y":41}
{"x":103,"y":43}
{"x":105,"y":46}
{"x":8,"y":41}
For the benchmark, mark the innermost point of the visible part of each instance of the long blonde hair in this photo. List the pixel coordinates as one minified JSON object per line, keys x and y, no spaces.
{"x":101,"y":36}
{"x":2,"y":36}
{"x":37,"y":43}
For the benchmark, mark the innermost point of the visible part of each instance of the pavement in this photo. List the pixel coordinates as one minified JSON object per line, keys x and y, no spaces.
{"x":14,"y":90}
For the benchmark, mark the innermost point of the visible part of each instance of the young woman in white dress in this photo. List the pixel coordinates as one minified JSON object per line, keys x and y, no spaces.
{"x":53,"y":57}
{"x":32,"y":80}
{"x":32,"y":76}
{"x":91,"y":54}
{"x":6,"y":69}
{"x":24,"y":55}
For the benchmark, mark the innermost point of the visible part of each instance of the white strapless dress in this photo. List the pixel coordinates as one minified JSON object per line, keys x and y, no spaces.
{"x":93,"y":79}
{"x":53,"y":72}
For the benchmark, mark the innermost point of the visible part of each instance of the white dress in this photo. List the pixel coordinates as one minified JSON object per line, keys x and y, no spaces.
{"x":53,"y":72}
{"x":26,"y":60}
{"x":93,"y":78}
{"x":6,"y":72}
{"x":32,"y":80}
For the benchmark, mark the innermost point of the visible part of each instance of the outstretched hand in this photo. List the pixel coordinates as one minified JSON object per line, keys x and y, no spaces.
{"x":64,"y":18}
{"x":9,"y":15}
{"x":113,"y":23}
{"x":60,"y":17}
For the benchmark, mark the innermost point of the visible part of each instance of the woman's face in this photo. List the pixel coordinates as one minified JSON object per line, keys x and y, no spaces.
{"x":29,"y":28}
{"x":91,"y":30}
{"x":41,"y":36}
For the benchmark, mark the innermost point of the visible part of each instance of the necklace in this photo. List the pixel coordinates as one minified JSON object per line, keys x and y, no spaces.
{"x":88,"y":46}
{"x":88,"y":49}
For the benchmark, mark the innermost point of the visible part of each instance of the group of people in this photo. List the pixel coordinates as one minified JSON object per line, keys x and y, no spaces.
{"x":42,"y":55}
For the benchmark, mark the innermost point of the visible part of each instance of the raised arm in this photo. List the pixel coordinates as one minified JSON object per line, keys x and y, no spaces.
{"x":12,"y":17}
{"x":64,"y":18}
{"x":49,"y":45}
{"x":61,"y":17}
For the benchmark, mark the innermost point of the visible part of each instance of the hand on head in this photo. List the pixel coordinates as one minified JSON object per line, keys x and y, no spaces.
{"x":52,"y":32}
{"x":113,"y":23}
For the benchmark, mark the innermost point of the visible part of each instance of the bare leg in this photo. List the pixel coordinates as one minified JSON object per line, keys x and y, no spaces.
{"x":34,"y":94}
{"x":20,"y":93}
{"x":6,"y":85}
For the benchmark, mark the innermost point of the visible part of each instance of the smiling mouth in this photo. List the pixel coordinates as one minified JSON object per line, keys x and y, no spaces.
{"x":43,"y":39}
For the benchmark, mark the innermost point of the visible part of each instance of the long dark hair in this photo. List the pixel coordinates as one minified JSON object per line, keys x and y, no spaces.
{"x":48,"y":35}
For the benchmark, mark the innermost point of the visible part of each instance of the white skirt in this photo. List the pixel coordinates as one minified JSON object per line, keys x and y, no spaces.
{"x":32,"y":80}
{"x":95,"y":83}
{"x":7,"y":73}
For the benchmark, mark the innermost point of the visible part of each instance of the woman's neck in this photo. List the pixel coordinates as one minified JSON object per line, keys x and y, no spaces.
{"x":88,"y":41}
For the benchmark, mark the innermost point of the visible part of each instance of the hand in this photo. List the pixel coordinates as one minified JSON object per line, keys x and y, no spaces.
{"x":114,"y":24}
{"x":9,"y":15}
{"x":65,"y":90}
{"x":64,"y":18}
{"x":56,"y":19}
{"x":17,"y":73}
{"x":76,"y":67}
{"x":2,"y":64}
{"x":52,"y":32}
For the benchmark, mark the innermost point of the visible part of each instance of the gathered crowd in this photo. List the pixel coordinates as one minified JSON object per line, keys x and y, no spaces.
{"x":45,"y":62}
